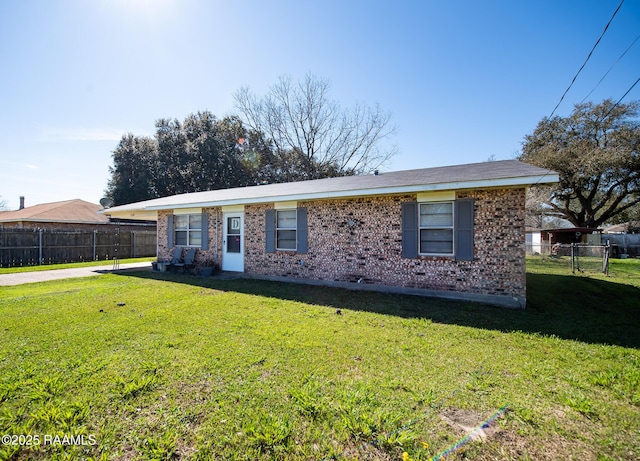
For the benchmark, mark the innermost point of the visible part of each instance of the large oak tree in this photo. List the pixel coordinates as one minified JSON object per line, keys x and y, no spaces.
{"x":595,"y":150}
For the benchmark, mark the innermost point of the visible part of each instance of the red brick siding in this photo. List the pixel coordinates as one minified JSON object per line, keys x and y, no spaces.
{"x":355,"y":239}
{"x":213,"y":254}
{"x":361,"y":239}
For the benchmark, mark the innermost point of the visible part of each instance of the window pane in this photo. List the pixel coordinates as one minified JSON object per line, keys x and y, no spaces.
{"x":195,"y":221}
{"x":181,"y":237}
{"x":233,"y":244}
{"x":287,"y":219}
{"x":195,"y":238}
{"x":180,"y":221}
{"x":436,"y":214}
{"x":439,"y":241}
{"x":286,"y":239}
{"x":233,"y":226}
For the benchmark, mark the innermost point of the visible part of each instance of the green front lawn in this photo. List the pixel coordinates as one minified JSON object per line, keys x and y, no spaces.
{"x":159,"y":366}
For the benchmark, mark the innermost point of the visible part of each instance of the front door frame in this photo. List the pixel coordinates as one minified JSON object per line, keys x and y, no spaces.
{"x":232,"y":261}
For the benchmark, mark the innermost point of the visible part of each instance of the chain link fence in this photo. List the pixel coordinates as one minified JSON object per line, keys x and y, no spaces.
{"x":575,"y":257}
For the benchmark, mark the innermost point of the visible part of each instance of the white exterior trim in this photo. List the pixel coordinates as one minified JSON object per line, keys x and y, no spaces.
{"x":437,"y":196}
{"x":141,"y":214}
{"x":481,"y":184}
{"x":291,"y":205}
{"x":233,"y":208}
{"x":451,"y":179}
{"x":181,"y":211}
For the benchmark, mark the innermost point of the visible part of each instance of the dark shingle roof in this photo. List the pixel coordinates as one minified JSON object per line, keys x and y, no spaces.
{"x":478,"y":175}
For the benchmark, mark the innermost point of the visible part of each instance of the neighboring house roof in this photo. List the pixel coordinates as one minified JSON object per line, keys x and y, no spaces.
{"x":571,"y":230}
{"x":628,"y":228}
{"x":69,"y":211}
{"x":616,"y":228}
{"x":507,"y":173}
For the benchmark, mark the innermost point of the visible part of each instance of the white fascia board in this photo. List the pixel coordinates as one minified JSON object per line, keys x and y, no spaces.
{"x":479,"y":184}
{"x":190,"y":210}
{"x":139,"y":214}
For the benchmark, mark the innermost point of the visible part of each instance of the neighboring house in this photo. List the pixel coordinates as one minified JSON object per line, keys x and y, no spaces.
{"x":557,"y":242}
{"x":534,"y":241}
{"x":69,"y":231}
{"x":631,"y":227}
{"x":455,"y":231}
{"x":66,"y":215}
{"x":623,"y":238}
{"x":569,"y":235}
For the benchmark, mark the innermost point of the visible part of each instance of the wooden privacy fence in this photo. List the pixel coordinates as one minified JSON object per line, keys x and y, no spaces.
{"x":25,"y":247}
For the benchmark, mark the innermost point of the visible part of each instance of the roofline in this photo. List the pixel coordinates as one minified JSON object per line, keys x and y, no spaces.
{"x":134,"y":214}
{"x":458,"y":185}
{"x":51,"y":221}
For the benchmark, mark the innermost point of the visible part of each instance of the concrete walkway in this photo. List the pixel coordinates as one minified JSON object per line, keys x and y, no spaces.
{"x":42,"y":276}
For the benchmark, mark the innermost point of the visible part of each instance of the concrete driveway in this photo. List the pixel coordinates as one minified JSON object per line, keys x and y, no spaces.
{"x":57,"y":274}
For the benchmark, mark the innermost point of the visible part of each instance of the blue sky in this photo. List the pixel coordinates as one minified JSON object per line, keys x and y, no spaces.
{"x":463,"y":80}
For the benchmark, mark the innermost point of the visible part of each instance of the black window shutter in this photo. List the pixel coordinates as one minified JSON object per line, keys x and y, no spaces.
{"x":410,"y":230}
{"x":205,"y":232}
{"x":170,"y":231}
{"x":464,"y":229}
{"x":270,"y":231}
{"x":301,"y":234}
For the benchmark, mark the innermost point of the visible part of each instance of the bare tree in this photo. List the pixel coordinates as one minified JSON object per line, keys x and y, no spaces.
{"x":3,"y":204}
{"x":300,"y":119}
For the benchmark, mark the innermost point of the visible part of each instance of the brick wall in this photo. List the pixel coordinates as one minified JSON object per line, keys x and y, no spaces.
{"x":164,"y":252}
{"x":212,"y":255}
{"x":360,"y":239}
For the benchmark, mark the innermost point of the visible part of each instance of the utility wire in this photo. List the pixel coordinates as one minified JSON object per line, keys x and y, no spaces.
{"x":607,"y":73}
{"x":623,"y":96}
{"x":605,"y":116}
{"x":586,"y":60}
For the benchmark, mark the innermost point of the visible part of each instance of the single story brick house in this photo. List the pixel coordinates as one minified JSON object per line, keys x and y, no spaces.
{"x":456,"y":231}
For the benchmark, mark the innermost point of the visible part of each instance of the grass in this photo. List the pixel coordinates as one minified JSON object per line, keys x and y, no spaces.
{"x":206,"y":368}
{"x":49,"y":267}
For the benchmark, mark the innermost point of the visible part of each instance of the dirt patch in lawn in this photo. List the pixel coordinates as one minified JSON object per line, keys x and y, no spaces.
{"x":493,"y":442}
{"x":469,"y":423}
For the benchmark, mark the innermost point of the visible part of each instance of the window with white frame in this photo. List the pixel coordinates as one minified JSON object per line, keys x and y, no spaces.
{"x":436,"y":228}
{"x":286,"y":225}
{"x":188,"y":229}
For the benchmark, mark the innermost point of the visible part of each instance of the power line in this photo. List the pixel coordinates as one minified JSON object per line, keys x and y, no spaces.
{"x":614,"y":64}
{"x":586,"y":60}
{"x":619,"y":100}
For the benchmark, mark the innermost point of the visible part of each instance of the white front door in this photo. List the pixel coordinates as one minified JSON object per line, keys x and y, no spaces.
{"x":233,"y":242}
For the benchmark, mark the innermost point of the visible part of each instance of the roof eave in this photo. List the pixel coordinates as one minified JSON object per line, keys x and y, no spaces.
{"x":523,"y":181}
{"x":140,"y":214}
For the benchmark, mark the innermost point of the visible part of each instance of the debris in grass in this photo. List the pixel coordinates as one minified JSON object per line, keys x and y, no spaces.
{"x":473,"y":425}
{"x":469,"y":422}
{"x":121,"y":304}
